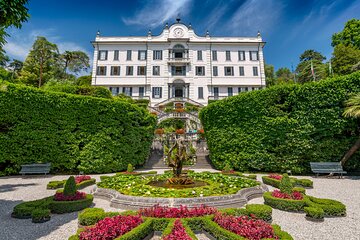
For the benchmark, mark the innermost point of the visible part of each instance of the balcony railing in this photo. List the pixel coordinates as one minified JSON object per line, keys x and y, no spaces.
{"x":178,"y":60}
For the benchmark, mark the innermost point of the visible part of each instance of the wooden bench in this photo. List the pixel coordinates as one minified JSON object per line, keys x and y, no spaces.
{"x":327,"y":167}
{"x":36,"y":168}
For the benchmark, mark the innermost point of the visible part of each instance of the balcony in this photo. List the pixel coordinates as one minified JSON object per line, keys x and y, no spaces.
{"x":178,"y":60}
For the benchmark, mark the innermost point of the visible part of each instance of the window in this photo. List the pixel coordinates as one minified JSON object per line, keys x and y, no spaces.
{"x":243,"y":89}
{"x":114,"y":90}
{"x":246,"y":89}
{"x":255,"y":71}
{"x":228,"y":56}
{"x":128,"y":55}
{"x":116,"y":55}
{"x":103,"y":55}
{"x":157,"y":55}
{"x":215,"y":71}
{"x":200,"y":92}
{"x":101,"y":71}
{"x":115,"y":70}
{"x":254,"y":55}
{"x":241,"y":55}
{"x":156,"y":92}
{"x":129,"y":70}
{"x":127,"y":91}
{"x":141,"y":70}
{"x":199,"y":55}
{"x":200,"y":71}
{"x":241,"y":71}
{"x":156,"y":70}
{"x":142,"y":55}
{"x":216,"y":92}
{"x":214,"y":55}
{"x":141,"y":92}
{"x":230,"y":91}
{"x":178,"y":70}
{"x":229,"y":71}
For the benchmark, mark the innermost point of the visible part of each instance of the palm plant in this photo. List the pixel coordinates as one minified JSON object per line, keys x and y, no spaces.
{"x":352,"y":110}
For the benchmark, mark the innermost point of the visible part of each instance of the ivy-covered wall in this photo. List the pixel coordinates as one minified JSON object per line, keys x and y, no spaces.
{"x":74,"y":133}
{"x":283,"y":127}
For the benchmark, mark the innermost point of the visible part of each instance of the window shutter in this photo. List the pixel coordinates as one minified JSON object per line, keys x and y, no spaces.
{"x":153,"y":92}
{"x":131,"y":91}
{"x":160,"y":92}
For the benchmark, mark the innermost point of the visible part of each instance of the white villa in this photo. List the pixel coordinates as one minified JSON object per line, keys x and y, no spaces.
{"x":178,"y":65}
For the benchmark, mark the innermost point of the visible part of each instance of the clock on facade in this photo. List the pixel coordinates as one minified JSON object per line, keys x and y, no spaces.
{"x":178,"y":32}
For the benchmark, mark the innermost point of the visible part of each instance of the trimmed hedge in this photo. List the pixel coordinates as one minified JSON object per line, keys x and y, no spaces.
{"x":314,"y":212}
{"x":260,"y":211}
{"x":60,"y":184}
{"x":295,"y":181}
{"x":40,"y":215}
{"x":284,"y":204}
{"x":71,"y":206}
{"x":283,"y":127}
{"x":330,"y":207}
{"x":74,"y":133}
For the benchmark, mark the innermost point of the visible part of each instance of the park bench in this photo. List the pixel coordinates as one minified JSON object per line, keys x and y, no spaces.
{"x":327,"y":167}
{"x":35,"y":168}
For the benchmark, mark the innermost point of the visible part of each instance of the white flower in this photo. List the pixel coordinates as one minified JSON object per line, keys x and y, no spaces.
{"x":201,"y":195}
{"x":193,"y":192}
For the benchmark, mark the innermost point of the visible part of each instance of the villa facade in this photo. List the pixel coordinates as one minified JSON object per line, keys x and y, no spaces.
{"x":178,"y":64}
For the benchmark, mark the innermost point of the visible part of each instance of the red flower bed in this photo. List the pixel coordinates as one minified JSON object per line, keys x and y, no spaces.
{"x":59,"y":196}
{"x":111,"y":228}
{"x":81,"y":178}
{"x":252,"y":229}
{"x":181,"y":212}
{"x":180,"y":131}
{"x":275,"y":176}
{"x":294,"y":196}
{"x":178,"y":232}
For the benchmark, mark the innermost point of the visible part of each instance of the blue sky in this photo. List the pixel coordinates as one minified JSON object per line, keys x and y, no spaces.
{"x":288,"y":27}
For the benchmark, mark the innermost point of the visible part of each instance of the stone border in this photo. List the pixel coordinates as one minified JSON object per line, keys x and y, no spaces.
{"x":127,"y":202}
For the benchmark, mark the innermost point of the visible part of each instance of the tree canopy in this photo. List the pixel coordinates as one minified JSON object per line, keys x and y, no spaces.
{"x":349,"y":36}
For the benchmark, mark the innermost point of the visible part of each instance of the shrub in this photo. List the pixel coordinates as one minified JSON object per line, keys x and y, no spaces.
{"x":330,"y":207}
{"x":302,"y":182}
{"x":130,"y":168}
{"x":111,"y":228}
{"x":314,"y":212}
{"x":178,"y":232}
{"x":85,"y":183}
{"x":275,"y":176}
{"x":294,"y":195}
{"x":285,"y":184}
{"x":81,"y":178}
{"x":60,"y":196}
{"x":260,"y":211}
{"x":55,"y":184}
{"x":158,"y":211}
{"x":71,"y":206}
{"x":72,"y":132}
{"x":271,"y":181}
{"x":40,"y":215}
{"x":299,"y":189}
{"x":295,"y":181}
{"x":284,"y":204}
{"x":90,"y":216}
{"x":70,"y":187}
{"x":283,"y":127}
{"x":25,"y":209}
{"x":81,"y":185}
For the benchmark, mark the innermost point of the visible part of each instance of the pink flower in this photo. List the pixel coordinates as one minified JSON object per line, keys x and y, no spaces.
{"x":275,"y":176}
{"x":59,"y":196}
{"x":81,"y":178}
{"x":181,"y":212}
{"x":178,"y":232}
{"x":294,"y":196}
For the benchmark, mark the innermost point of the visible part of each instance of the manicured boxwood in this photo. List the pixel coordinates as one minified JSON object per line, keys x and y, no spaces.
{"x":90,"y":216}
{"x":299,"y":189}
{"x":140,"y":232}
{"x":283,"y":127}
{"x":284,"y":204}
{"x":71,"y":206}
{"x":55,"y":184}
{"x":330,"y":207}
{"x":40,"y":215}
{"x":296,"y":182}
{"x":74,"y":133}
{"x":25,"y":209}
{"x":314,"y":212}
{"x":260,"y":211}
{"x":270,"y":181}
{"x":85,"y":183}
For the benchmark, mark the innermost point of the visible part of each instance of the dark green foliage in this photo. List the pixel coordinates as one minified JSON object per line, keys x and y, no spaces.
{"x":330,"y":207}
{"x":100,"y":92}
{"x":90,"y":216}
{"x":71,"y":206}
{"x":260,"y":211}
{"x":314,"y":212}
{"x":98,"y":135}
{"x":25,"y":209}
{"x":130,"y":168}
{"x":140,"y":232}
{"x":84,"y":81}
{"x":85,"y":183}
{"x":270,"y":181}
{"x":283,"y":127}
{"x":284,"y":204}
{"x":60,"y":184}
{"x":70,"y":187}
{"x":295,"y":181}
{"x":285,"y":184}
{"x":40,"y":215}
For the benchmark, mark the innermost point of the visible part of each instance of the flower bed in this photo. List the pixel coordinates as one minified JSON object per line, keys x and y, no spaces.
{"x":111,"y":228}
{"x":59,"y":196}
{"x":81,"y":178}
{"x":60,"y":184}
{"x":294,"y":195}
{"x":251,"y":229}
{"x":218,"y":184}
{"x":274,"y":180}
{"x":181,"y":212}
{"x":219,"y":225}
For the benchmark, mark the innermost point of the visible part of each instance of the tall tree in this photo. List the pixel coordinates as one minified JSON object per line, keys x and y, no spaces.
{"x":4,"y":59}
{"x":41,"y":60}
{"x":75,"y":61}
{"x":284,"y":76}
{"x":311,"y":66}
{"x":349,"y":36}
{"x":16,"y":66}
{"x":311,"y":54}
{"x":352,"y":110}
{"x":270,"y":75}
{"x":345,"y":59}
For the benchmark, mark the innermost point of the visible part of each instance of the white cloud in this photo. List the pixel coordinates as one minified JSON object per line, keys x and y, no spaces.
{"x":156,"y":12}
{"x":20,"y":42}
{"x":255,"y":15}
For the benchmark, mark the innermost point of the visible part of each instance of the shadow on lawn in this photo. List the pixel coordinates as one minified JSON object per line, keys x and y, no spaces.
{"x":12,"y":187}
{"x":17,"y":229}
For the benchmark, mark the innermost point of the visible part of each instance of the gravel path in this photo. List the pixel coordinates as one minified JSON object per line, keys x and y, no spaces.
{"x":14,"y":190}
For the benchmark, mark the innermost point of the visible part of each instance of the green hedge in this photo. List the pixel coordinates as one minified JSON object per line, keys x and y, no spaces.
{"x":284,"y":204}
{"x":60,"y":184}
{"x":260,"y":211}
{"x":314,"y":212}
{"x":72,"y":132}
{"x":295,"y":181}
{"x":283,"y":127}
{"x":71,"y":206}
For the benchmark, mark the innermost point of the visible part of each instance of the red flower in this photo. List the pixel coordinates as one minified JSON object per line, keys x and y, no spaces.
{"x":181,"y":212}
{"x":252,"y":229}
{"x":294,"y":196}
{"x":81,"y":178}
{"x":180,"y":131}
{"x":59,"y":196}
{"x":111,"y":228}
{"x":275,"y":176}
{"x":178,"y":232}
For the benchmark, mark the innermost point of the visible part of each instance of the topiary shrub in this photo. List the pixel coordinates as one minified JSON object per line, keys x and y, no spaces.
{"x":284,"y":204}
{"x":314,"y":212}
{"x":71,"y":206}
{"x":285,"y":184}
{"x":70,"y":187}
{"x":260,"y":211}
{"x":130,"y":168}
{"x":299,"y":189}
{"x":40,"y":215}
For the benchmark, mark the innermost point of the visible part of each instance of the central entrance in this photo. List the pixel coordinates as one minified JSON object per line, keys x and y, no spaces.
{"x":178,"y":89}
{"x":179,"y":92}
